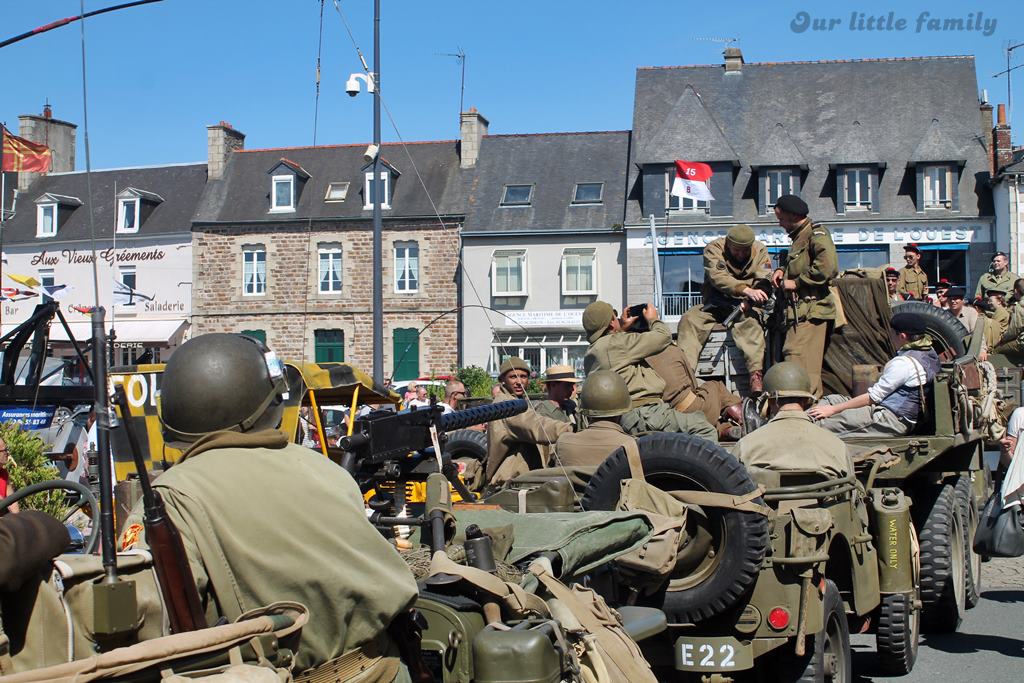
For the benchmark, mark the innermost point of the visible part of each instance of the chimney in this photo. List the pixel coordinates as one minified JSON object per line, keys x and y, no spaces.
{"x":473,"y":128}
{"x":1001,"y":134}
{"x":733,"y":59}
{"x":221,"y":141}
{"x":987,"y":134}
{"x":58,"y":135}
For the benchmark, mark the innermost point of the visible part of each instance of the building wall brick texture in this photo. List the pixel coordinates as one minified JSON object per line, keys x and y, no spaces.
{"x":293,"y":307}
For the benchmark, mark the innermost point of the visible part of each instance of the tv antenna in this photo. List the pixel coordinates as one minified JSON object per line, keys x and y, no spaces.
{"x":1010,"y":47}
{"x":717,"y":39}
{"x":461,"y":56}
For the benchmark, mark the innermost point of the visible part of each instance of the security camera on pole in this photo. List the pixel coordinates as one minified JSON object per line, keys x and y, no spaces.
{"x":352,"y":87}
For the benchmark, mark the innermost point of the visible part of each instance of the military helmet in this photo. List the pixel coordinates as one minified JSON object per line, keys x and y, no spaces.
{"x":596,"y":317}
{"x":218,"y":382}
{"x":787,"y":380}
{"x":604,"y":394}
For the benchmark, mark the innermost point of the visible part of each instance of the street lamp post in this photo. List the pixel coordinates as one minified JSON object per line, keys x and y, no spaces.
{"x":372,"y":80}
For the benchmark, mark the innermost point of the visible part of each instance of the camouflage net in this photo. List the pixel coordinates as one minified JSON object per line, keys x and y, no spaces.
{"x":419,"y":562}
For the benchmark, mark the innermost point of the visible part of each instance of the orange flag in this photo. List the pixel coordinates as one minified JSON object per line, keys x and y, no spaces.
{"x":22,"y":156}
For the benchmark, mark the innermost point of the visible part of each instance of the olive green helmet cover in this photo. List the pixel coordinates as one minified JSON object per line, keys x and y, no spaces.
{"x":604,"y":394}
{"x":787,"y":380}
{"x":217,"y":382}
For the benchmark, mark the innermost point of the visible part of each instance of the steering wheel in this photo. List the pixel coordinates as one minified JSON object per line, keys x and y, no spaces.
{"x":84,"y":497}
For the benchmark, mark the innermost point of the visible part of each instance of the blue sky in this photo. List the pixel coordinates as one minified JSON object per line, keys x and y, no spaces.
{"x":159,"y":74}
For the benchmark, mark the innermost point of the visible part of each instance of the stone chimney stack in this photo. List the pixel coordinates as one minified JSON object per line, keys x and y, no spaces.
{"x":473,"y":128}
{"x":58,"y":135}
{"x":987,"y":134}
{"x":221,"y":141}
{"x":1001,"y":134}
{"x":733,"y":59}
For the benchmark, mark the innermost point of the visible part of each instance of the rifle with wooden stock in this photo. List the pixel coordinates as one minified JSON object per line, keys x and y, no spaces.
{"x":177,"y":584}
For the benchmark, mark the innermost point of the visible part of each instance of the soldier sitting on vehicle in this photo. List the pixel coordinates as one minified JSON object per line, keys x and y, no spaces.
{"x":235,"y":498}
{"x":996,"y":315}
{"x":611,"y":348}
{"x":603,"y":400}
{"x":686,"y":394}
{"x":790,"y":441}
{"x":560,"y":384}
{"x":732,"y":267}
{"x":515,"y":445}
{"x":1012,"y":340}
{"x":893,"y":404}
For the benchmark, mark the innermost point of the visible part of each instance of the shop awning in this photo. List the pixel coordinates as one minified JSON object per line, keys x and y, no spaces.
{"x":150,"y":332}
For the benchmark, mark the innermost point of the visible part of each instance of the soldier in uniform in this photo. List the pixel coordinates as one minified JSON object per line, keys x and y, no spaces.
{"x":913,"y":283}
{"x":806,"y":277}
{"x":997,"y":316}
{"x":968,"y":315}
{"x":732,"y":266}
{"x":233,"y":497}
{"x":686,"y":394}
{"x":603,"y":400}
{"x":560,"y":384}
{"x":942,"y":293}
{"x":891,"y":406}
{"x":1012,"y":340}
{"x":892,"y":281}
{"x":613,"y":347}
{"x":788,"y":390}
{"x":998,"y":276}
{"x":513,"y":444}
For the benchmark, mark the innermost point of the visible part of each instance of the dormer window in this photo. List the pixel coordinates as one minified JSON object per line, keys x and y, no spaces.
{"x":46,"y":220}
{"x":370,"y":189}
{"x":49,"y":215}
{"x":282,"y":194}
{"x":938,"y":187}
{"x":858,"y":189}
{"x":779,"y":182}
{"x":287,"y":179}
{"x":128,"y":215}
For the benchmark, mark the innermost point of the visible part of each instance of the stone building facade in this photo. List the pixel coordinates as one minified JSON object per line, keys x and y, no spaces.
{"x":294,"y":265}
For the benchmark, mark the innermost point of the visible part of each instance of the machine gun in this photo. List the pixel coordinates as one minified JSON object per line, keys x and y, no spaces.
{"x":390,"y":447}
{"x":776,"y":320}
{"x":767,"y":306}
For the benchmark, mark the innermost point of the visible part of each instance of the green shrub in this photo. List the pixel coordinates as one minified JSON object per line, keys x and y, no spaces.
{"x":29,"y":466}
{"x":478,"y":382}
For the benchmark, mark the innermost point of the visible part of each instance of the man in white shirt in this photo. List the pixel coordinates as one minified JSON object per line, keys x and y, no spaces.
{"x":453,"y":391}
{"x":968,"y":315}
{"x":892,"y":405}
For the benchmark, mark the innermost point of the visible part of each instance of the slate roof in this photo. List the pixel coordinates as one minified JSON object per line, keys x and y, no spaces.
{"x":894,"y":101}
{"x":778,"y":150}
{"x":554,"y":163}
{"x":688,"y":125}
{"x":854,"y":146}
{"x":243,"y":194}
{"x":936,"y":145}
{"x":179,"y":185}
{"x":1017,"y":163}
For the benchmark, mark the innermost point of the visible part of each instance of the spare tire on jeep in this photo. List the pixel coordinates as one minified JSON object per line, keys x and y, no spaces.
{"x":723,"y":556}
{"x":466,"y":443}
{"x":944,"y":328}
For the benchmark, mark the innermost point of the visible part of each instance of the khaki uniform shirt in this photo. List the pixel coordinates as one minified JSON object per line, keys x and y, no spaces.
{"x":549,"y":408}
{"x":671,"y":366}
{"x":723,"y":277}
{"x":593,"y":445}
{"x":968,"y":315}
{"x":813,"y":263}
{"x":772,"y":446}
{"x":626,"y":354}
{"x":520,"y":436}
{"x":264,"y":520}
{"x":913,"y":281}
{"x":1002,"y":282}
{"x":997,"y":322}
{"x":1014,"y":335}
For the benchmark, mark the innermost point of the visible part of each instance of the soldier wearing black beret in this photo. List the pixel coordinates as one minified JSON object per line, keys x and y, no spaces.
{"x":806,"y":275}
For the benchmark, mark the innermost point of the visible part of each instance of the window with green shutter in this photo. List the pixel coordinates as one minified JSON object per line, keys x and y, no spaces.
{"x":329,"y":346}
{"x":406,"y":353}
{"x":256,"y":334}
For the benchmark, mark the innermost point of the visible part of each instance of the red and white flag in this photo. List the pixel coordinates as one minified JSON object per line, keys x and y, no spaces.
{"x":692,"y":181}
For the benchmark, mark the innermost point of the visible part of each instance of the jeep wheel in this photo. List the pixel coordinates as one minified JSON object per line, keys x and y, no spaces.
{"x":899,"y":627}
{"x":943,"y":326}
{"x":467,"y":443}
{"x":969,"y":513}
{"x":943,"y":563}
{"x":830,"y":658}
{"x":721,"y":560}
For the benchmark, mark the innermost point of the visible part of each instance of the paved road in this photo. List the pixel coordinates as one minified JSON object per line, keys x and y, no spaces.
{"x":988,"y":647}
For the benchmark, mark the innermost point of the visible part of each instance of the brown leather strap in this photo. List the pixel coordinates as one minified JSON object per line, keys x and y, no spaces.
{"x":723,"y":500}
{"x":687,"y":401}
